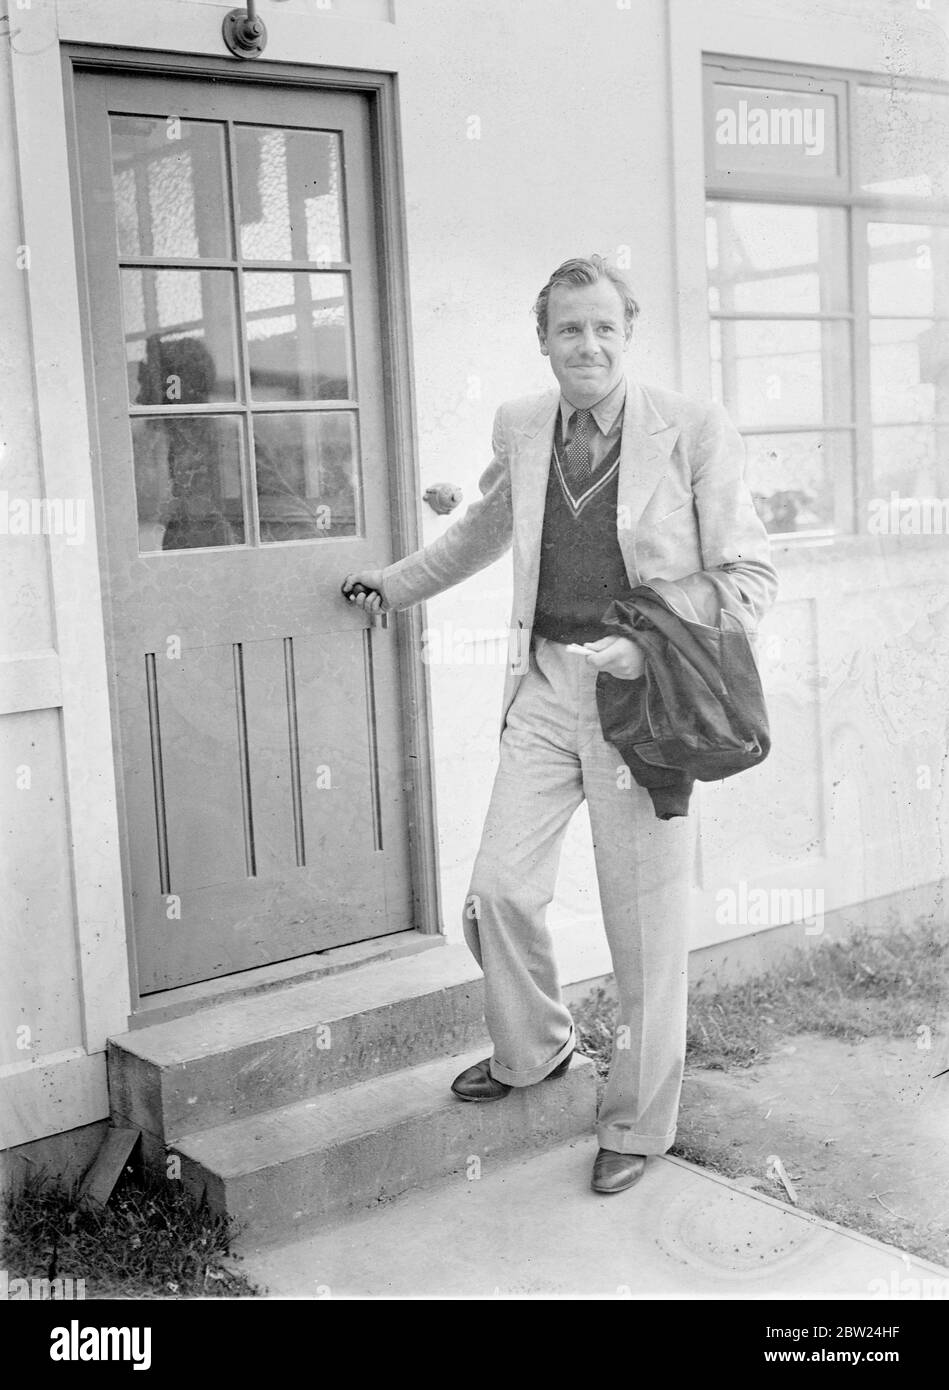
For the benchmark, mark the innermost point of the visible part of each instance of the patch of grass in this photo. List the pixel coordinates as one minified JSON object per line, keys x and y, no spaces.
{"x":717,"y":1157}
{"x":865,"y":986}
{"x":152,"y":1240}
{"x":888,"y":1228}
{"x":593,"y":1025}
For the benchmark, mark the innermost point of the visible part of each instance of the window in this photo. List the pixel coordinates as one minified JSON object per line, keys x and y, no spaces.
{"x":828,"y":287}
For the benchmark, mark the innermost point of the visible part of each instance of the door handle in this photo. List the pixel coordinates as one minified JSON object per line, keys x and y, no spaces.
{"x":377,"y":619}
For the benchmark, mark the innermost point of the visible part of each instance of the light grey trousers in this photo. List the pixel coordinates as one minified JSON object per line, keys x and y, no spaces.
{"x":553,"y":755}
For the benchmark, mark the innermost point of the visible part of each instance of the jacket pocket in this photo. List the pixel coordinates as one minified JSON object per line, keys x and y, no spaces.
{"x":680,"y":510}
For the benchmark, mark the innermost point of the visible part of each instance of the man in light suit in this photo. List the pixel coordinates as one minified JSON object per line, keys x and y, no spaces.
{"x":599,"y":484}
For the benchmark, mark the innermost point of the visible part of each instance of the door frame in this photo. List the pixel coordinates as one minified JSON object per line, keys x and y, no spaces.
{"x":381,"y":89}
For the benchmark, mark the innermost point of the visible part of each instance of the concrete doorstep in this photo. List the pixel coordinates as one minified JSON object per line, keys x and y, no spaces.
{"x":533,"y":1229}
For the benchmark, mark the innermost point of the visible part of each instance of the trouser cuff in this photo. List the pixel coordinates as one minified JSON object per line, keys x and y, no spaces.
{"x":625,"y":1141}
{"x":534,"y":1074}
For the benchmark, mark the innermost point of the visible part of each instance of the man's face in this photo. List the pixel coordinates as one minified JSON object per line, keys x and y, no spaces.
{"x":585,"y":340}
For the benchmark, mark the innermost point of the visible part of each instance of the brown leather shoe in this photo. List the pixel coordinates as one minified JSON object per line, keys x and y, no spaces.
{"x":477,"y":1083}
{"x":613,"y":1172}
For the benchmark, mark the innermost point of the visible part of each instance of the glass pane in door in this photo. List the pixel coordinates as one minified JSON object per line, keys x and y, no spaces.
{"x":298,"y":337}
{"x":289,"y":186}
{"x":180,"y":336}
{"x":188,"y":471}
{"x":307,"y":475}
{"x":170,"y":189}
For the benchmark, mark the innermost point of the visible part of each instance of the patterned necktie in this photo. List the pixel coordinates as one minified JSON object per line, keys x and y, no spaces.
{"x":578,"y":454}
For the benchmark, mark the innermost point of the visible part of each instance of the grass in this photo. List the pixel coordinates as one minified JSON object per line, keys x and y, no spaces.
{"x":152,"y":1240}
{"x":866,"y":986}
{"x":882,"y":1226}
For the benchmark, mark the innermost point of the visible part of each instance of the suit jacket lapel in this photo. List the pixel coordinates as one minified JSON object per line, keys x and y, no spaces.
{"x":648,"y":441}
{"x":533,"y":442}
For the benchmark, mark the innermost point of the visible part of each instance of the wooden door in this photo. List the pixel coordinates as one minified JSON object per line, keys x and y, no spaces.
{"x":242,"y":457}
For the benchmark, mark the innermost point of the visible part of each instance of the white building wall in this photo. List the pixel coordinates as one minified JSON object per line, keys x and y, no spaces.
{"x":530,"y":132}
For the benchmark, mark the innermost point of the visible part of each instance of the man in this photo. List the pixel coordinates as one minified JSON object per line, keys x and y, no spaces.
{"x":599,"y":485}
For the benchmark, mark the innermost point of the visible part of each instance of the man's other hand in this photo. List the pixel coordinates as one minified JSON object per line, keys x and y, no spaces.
{"x":373,"y":601}
{"x":618,"y":655}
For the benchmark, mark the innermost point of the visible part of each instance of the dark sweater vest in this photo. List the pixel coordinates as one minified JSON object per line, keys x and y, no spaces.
{"x":581,"y":564}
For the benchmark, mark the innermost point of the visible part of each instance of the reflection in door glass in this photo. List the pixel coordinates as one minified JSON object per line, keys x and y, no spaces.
{"x":307,"y":475}
{"x":297,"y":336}
{"x":289,"y":187}
{"x":188,"y":471}
{"x":168,"y":177}
{"x":180,"y":336}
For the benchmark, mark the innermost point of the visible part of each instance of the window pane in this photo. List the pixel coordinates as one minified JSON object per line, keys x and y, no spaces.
{"x":180,"y":336}
{"x":188,"y":471}
{"x":764,"y":257}
{"x":908,"y":269}
{"x":770,"y":131}
{"x":298,"y":336}
{"x":782,"y":372}
{"x":289,"y":184}
{"x":307,"y":475}
{"x":170,"y":193}
{"x":912,"y":460}
{"x":902,"y":141}
{"x":794,"y":477}
{"x":909,"y":369}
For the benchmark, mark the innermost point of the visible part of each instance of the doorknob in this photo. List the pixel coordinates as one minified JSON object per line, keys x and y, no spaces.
{"x":443,"y":497}
{"x":377,"y":619}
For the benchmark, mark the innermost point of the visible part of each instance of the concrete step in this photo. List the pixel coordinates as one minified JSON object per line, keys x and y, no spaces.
{"x":245,"y":1057}
{"x":334,"y":1154}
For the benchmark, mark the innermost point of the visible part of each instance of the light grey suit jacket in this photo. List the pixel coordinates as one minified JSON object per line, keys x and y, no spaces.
{"x":682,"y":505}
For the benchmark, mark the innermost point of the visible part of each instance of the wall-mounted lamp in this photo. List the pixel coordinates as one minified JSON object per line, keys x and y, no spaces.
{"x":245,"y":34}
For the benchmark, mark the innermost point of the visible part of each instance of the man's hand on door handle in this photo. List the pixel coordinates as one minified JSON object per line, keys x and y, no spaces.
{"x":364,"y":588}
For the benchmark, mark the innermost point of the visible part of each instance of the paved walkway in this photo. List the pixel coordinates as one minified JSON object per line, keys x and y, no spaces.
{"x":534,"y":1228}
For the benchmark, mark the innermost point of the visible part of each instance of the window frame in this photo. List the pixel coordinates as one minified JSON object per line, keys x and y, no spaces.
{"x":792,"y":81}
{"x":859,"y":206}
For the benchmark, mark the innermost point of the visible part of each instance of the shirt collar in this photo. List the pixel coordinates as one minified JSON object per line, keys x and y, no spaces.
{"x":606,"y":411}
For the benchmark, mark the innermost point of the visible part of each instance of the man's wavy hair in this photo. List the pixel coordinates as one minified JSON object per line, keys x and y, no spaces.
{"x":584,"y":270}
